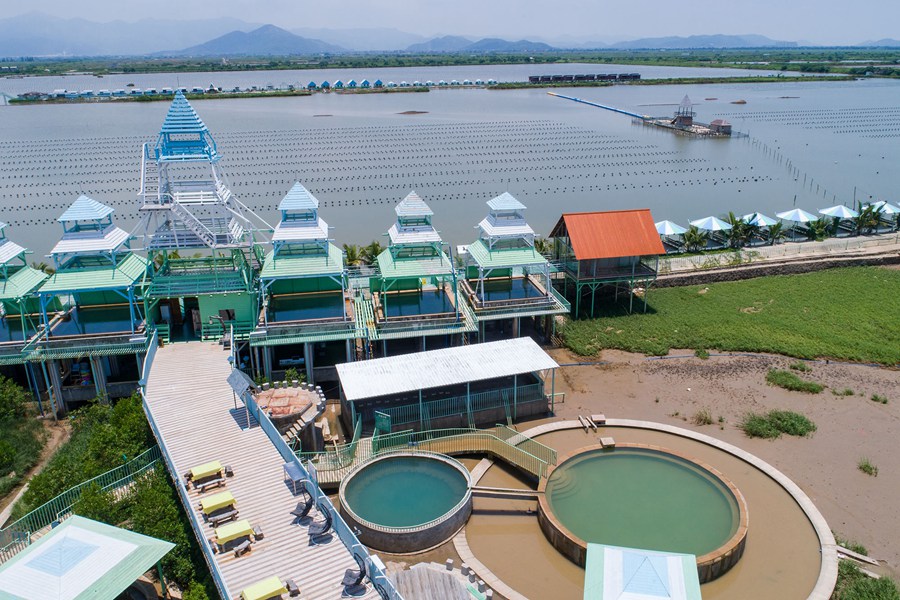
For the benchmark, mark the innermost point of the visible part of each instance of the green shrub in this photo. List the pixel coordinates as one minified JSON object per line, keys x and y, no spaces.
{"x":13,"y":399}
{"x":879,"y":399}
{"x":866,"y":466}
{"x":789,"y":381}
{"x":843,"y":392}
{"x":800,"y":366}
{"x":853,"y":584}
{"x":701,"y":353}
{"x":851,"y":545}
{"x":776,"y":422}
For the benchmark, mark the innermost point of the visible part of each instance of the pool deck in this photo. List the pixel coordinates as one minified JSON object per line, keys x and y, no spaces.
{"x":193,"y":407}
{"x":829,"y":563}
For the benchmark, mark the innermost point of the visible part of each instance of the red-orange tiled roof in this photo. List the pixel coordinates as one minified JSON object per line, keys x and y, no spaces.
{"x":610,"y":234}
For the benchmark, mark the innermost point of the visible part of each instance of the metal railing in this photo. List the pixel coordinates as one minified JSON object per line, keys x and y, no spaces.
{"x":19,"y":532}
{"x":341,"y":529}
{"x":199,"y":531}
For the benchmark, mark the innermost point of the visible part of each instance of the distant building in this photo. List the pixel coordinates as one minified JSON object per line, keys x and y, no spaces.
{"x":721,"y":127}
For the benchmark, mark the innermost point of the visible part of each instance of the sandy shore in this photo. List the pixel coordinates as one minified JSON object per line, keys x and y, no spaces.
{"x":856,"y":506}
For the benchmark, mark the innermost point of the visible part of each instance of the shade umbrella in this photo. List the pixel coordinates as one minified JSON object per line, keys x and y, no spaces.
{"x":798,"y":215}
{"x":711,"y":224}
{"x":759,"y":219}
{"x":840,"y":211}
{"x":886,"y":208}
{"x":669,"y":228}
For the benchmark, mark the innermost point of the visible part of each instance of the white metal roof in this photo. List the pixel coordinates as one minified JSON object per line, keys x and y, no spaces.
{"x":413,"y":235}
{"x":439,"y":368}
{"x":289,"y":231}
{"x":91,"y":241}
{"x":298,"y":198}
{"x":413,"y":206}
{"x":493,"y":227}
{"x":85,"y":209}
{"x":9,"y":250}
{"x":505,"y":201}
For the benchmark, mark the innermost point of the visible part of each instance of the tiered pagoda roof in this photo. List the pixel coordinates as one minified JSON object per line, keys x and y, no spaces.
{"x":184,"y":135}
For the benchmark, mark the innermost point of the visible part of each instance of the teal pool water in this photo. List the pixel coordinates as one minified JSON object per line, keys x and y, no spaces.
{"x":405,"y":491}
{"x":643,"y":498}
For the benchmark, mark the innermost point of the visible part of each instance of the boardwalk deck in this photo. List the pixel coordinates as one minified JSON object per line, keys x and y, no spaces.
{"x":193,"y":407}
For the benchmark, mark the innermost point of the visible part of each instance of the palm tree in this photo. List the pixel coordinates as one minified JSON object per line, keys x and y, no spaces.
{"x":369,"y":254}
{"x":817,"y":230}
{"x":543,"y":246}
{"x":42,"y":266}
{"x":868,"y":219}
{"x":352,"y":255}
{"x":776,"y":233}
{"x":740,"y":231}
{"x":695,"y":239}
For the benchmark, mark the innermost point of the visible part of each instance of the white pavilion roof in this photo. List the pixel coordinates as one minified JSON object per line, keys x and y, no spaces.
{"x":91,"y":241}
{"x":413,"y":235}
{"x":413,"y":206}
{"x":505,"y":201}
{"x":9,"y":250}
{"x":299,"y":231}
{"x":85,"y":209}
{"x":298,"y":198}
{"x":493,"y":227}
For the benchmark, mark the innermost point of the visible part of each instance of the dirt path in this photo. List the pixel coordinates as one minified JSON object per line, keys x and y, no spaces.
{"x":57,"y":435}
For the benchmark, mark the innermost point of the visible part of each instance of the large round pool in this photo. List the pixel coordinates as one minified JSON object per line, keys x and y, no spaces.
{"x":642,"y":497}
{"x":407,"y":501}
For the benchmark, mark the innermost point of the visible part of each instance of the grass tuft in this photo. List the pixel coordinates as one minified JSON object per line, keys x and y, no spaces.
{"x":843,"y":392}
{"x":866,"y":466}
{"x":790,"y":381}
{"x":800,"y":366}
{"x":702,"y":417}
{"x":776,"y":422}
{"x":853,"y":584}
{"x":879,"y":399}
{"x":701,"y":353}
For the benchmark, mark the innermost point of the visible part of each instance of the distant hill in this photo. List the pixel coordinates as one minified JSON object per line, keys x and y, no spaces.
{"x":39,"y":34}
{"x":267,"y":40}
{"x":363,"y":40}
{"x":447,"y":43}
{"x":704,"y":41}
{"x":885,"y":43}
{"x":498,"y":45}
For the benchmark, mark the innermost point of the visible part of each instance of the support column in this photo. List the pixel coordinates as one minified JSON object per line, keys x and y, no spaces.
{"x":99,"y":378}
{"x":349,"y":355}
{"x":421,"y":413}
{"x":56,"y":383}
{"x":515,"y":396}
{"x":469,"y":403}
{"x":267,"y":362}
{"x":515,"y":327}
{"x":552,"y":391}
{"x":308,"y":361}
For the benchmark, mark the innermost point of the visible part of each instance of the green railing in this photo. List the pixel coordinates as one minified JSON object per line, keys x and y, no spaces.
{"x":516,"y":450}
{"x":342,"y":456}
{"x":466,"y":407}
{"x":18,"y":534}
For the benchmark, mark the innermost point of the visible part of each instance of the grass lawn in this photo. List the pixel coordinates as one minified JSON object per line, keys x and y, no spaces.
{"x":848,"y":314}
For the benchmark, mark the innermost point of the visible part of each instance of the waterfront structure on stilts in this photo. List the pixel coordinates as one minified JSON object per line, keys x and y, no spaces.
{"x":415,"y":294}
{"x":199,"y":239}
{"x":93,"y":336}
{"x":307,"y":318}
{"x":506,"y":278}
{"x":21,"y":310}
{"x":614,"y":250}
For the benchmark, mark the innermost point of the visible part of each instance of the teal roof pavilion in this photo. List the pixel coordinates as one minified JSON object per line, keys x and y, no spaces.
{"x":614,"y":573}
{"x":80,"y":559}
{"x":184,"y":135}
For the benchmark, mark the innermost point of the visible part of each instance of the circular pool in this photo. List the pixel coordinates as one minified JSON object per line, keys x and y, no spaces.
{"x":641,"y":496}
{"x":406,"y":501}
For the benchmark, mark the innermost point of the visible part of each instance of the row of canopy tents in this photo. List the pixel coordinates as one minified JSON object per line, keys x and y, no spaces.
{"x":712,"y":224}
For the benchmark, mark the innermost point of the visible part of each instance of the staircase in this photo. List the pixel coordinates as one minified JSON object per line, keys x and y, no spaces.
{"x":194,"y":224}
{"x":149,"y":177}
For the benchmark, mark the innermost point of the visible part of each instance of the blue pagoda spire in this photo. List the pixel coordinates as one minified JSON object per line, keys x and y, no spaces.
{"x":184,"y":135}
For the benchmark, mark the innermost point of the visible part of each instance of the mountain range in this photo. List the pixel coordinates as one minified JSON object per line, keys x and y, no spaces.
{"x":39,"y":34}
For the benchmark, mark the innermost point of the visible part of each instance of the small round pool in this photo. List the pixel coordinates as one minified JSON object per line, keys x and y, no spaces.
{"x":643,"y":497}
{"x":407,"y":501}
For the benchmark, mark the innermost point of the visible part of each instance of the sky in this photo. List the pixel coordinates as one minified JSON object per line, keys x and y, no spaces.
{"x":816,"y":21}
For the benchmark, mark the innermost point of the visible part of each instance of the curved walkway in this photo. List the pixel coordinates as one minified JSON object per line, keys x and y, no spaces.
{"x":829,"y":566}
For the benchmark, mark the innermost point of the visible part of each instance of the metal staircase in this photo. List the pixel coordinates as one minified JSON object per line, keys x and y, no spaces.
{"x":194,"y":224}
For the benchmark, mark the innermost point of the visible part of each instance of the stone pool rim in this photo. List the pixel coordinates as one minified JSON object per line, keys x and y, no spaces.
{"x":412,"y":538}
{"x":711,"y":565}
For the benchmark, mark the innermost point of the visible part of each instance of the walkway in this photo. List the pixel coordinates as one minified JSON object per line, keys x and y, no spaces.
{"x":195,"y":414}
